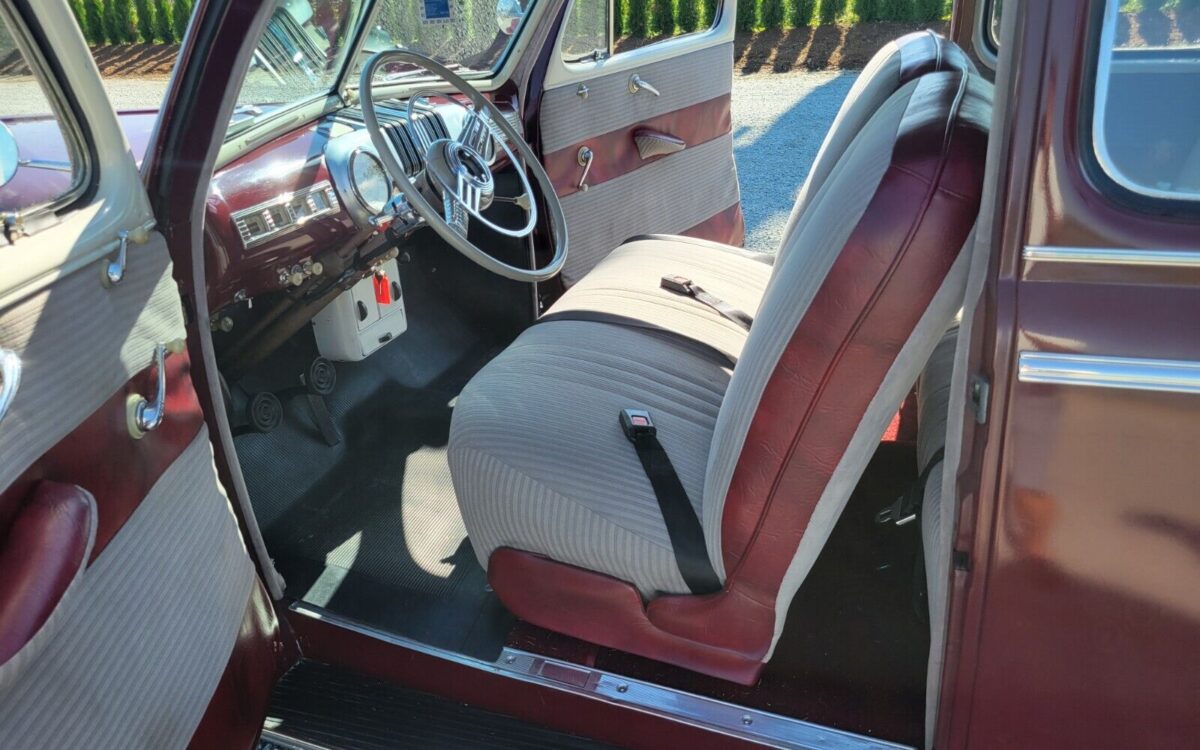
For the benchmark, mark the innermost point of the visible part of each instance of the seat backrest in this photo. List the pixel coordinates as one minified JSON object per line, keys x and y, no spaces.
{"x":841,"y":335}
{"x":895,"y":64}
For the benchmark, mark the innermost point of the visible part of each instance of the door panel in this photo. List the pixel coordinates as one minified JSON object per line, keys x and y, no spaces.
{"x":140,"y":644}
{"x":692,"y":190}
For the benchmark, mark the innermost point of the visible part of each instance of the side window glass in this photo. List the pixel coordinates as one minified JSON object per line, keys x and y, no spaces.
{"x":1147,"y":99}
{"x":591,"y":32}
{"x":39,"y":157}
{"x":586,"y":36}
{"x":993,"y":23}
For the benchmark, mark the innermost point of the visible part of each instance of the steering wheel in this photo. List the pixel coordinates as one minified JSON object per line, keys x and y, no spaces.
{"x":456,"y":184}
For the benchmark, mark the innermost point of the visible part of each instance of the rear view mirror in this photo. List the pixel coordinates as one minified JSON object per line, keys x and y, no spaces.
{"x":8,"y":155}
{"x":508,"y":16}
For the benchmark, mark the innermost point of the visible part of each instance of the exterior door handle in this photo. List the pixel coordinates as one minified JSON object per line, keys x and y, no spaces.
{"x":10,"y":379}
{"x":636,"y":84}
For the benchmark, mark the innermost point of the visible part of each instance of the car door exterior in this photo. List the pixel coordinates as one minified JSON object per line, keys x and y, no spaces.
{"x":1077,"y":619}
{"x":130,"y":612}
{"x":640,"y":141}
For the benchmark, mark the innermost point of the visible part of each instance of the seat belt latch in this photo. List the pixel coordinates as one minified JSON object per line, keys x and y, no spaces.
{"x":636,"y":423}
{"x":678,"y":285}
{"x":903,"y":511}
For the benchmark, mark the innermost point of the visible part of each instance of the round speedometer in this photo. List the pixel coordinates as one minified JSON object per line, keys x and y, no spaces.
{"x":369,"y":180}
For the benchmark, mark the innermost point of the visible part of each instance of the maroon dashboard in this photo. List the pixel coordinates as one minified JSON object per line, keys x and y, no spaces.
{"x":271,"y":212}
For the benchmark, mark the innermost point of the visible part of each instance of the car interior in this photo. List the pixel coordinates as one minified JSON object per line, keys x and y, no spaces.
{"x":459,"y":336}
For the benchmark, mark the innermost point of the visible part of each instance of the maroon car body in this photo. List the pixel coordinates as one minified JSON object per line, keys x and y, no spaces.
{"x":1073,"y":611}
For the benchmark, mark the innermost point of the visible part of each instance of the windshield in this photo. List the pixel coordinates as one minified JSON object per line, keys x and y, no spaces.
{"x":307,"y":43}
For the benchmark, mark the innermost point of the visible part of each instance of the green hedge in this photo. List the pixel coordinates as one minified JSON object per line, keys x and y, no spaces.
{"x":129,"y":21}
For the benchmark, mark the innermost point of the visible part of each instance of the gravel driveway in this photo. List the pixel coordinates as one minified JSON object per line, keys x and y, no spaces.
{"x":779,"y":121}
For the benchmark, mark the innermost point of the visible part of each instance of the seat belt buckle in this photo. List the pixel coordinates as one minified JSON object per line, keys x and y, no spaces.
{"x":677,"y":284}
{"x":902,"y":511}
{"x":636,"y":423}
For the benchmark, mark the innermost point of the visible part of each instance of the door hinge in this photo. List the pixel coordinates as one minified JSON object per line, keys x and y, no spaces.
{"x":980,"y":392}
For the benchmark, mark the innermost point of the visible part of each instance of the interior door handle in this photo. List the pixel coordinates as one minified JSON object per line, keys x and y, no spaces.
{"x":10,"y":379}
{"x":142,"y":415}
{"x":636,"y":84}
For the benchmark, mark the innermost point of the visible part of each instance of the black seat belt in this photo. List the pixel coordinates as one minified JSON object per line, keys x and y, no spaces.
{"x":908,"y":506}
{"x":683,"y":527}
{"x":685,"y":286}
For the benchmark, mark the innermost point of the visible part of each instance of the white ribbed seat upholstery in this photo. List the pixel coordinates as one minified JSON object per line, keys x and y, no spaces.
{"x":537,"y":449}
{"x":626,"y":285}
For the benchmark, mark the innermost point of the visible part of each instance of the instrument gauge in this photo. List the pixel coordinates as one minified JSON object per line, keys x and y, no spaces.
{"x":370,"y":181}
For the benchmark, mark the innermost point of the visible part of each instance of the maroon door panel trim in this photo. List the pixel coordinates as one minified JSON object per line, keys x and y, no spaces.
{"x":886,"y":274}
{"x":235,"y":712}
{"x":41,"y":552}
{"x":557,"y":709}
{"x":123,"y":473}
{"x":727,"y":227}
{"x":617,"y":154}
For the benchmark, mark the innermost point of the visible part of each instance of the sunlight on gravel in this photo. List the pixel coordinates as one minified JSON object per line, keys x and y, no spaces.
{"x":779,"y":121}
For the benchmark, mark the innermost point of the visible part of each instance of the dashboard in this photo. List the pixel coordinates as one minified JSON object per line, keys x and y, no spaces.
{"x":274,"y":212}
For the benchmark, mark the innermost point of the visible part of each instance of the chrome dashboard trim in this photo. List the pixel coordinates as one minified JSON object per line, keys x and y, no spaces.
{"x":1112,"y":256}
{"x":285,"y":202}
{"x":1126,"y":373}
{"x":710,"y":714}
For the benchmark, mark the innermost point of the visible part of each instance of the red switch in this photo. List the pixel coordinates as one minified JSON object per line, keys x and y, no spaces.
{"x":383,"y":288}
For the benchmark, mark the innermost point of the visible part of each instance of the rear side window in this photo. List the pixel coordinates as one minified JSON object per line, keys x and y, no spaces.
{"x":1147,"y":101}
{"x":40,"y":156}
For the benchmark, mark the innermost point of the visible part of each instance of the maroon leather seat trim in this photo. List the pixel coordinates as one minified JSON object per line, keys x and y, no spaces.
{"x":606,"y":611}
{"x":886,"y":275}
{"x":40,"y":555}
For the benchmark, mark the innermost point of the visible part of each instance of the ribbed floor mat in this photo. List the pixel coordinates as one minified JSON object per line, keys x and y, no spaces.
{"x":370,"y":528}
{"x":339,"y":710}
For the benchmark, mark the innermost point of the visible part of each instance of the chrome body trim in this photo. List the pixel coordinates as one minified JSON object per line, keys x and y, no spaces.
{"x":280,"y":215}
{"x":1108,"y":256}
{"x":712,"y":715}
{"x":1127,"y":373}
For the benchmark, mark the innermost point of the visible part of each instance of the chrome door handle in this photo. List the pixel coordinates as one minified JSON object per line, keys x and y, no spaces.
{"x":584,"y":158}
{"x":10,"y":379}
{"x":142,"y":416}
{"x":636,"y":84}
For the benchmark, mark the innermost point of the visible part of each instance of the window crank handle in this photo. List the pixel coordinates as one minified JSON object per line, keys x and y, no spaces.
{"x":636,"y":84}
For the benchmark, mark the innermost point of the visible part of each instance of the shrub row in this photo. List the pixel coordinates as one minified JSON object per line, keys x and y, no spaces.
{"x":639,"y":18}
{"x":130,"y":21}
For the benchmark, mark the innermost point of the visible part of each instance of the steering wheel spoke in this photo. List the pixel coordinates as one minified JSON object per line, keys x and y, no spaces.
{"x":456,"y":214}
{"x":457,"y":172}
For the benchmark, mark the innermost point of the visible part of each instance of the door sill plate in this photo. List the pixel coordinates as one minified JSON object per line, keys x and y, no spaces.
{"x":713,"y":715}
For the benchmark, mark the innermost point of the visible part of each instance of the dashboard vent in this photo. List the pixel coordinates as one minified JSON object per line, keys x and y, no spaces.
{"x":260,"y":223}
{"x":392,"y":117}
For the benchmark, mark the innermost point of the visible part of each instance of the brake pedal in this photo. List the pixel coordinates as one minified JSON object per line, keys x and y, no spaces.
{"x":319,"y":381}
